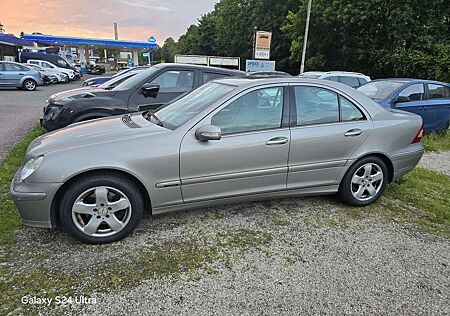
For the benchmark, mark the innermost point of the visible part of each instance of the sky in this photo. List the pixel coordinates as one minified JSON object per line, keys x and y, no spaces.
{"x":137,"y":19}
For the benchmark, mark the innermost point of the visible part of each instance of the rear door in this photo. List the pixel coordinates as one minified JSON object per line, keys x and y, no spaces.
{"x":439,"y":103}
{"x":415,"y":102}
{"x":326,"y":129}
{"x":172,"y":83}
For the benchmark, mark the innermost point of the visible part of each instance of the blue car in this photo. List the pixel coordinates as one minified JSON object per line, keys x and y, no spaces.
{"x":427,"y":98}
{"x":17,"y":75}
{"x":100,"y":80}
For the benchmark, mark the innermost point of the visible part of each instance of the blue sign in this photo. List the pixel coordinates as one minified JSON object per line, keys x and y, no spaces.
{"x":259,"y":65}
{"x":152,"y":40}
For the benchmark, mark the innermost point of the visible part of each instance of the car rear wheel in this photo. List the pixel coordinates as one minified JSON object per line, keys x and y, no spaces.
{"x":29,"y":85}
{"x":101,"y":209}
{"x":364,"y":182}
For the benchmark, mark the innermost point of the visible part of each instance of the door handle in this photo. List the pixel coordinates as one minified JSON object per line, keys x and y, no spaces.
{"x":277,"y":141}
{"x":353,"y":132}
{"x":20,"y":74}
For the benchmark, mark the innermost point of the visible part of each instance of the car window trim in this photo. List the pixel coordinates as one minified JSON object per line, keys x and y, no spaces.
{"x":293,"y":106}
{"x":425,"y":93}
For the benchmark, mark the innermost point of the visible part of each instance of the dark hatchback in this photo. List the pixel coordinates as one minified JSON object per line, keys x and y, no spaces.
{"x":427,"y":98}
{"x":147,"y":90}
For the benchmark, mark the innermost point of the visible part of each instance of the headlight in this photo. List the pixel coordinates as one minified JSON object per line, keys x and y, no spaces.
{"x":30,"y":167}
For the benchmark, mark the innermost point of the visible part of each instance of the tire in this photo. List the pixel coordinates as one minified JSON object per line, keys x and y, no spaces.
{"x":361,"y":185}
{"x":29,"y":85}
{"x":101,"y":208}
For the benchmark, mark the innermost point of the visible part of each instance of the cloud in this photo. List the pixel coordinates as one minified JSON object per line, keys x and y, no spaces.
{"x":144,"y":4}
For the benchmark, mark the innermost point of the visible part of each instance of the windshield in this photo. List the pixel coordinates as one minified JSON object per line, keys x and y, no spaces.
{"x":379,"y":89}
{"x":135,"y":80}
{"x":115,"y":81}
{"x":183,"y":109}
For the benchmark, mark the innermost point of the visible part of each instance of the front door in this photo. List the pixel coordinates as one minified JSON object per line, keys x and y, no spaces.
{"x":251,"y":157}
{"x":172,"y":83}
{"x":327,"y":129}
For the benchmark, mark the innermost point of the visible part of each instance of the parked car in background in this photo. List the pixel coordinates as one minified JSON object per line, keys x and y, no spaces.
{"x":54,"y":59}
{"x":48,"y":65}
{"x":54,"y":75}
{"x":147,"y":90}
{"x":230,"y":140}
{"x":427,"y":98}
{"x":352,"y":79}
{"x":16,"y":75}
{"x":100,"y":80}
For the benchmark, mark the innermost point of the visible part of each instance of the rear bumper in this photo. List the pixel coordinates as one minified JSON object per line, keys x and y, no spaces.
{"x":405,"y":161}
{"x":34,"y":201}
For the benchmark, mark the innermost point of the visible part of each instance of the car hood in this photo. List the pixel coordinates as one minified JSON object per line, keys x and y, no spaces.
{"x":94,"y":132}
{"x":78,"y":93}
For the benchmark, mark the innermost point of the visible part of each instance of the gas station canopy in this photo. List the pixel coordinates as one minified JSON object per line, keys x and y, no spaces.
{"x":80,"y":41}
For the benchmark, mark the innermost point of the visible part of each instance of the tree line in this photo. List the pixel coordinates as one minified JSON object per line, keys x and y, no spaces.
{"x":381,"y":38}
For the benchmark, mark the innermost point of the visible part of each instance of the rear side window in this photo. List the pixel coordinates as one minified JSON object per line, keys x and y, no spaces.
{"x":316,"y":105}
{"x":208,"y":76}
{"x":349,"y":81}
{"x":437,"y":91}
{"x":362,"y":81}
{"x":414,"y":92}
{"x":332,"y":78}
{"x":12,"y":67}
{"x":349,"y":111}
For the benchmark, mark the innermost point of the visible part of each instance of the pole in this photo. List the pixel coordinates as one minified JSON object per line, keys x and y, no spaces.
{"x":254,"y":42}
{"x":302,"y":65}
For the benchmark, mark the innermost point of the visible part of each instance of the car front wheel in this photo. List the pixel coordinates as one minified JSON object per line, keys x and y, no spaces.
{"x":29,"y":85}
{"x":364,"y":182}
{"x":101,"y":208}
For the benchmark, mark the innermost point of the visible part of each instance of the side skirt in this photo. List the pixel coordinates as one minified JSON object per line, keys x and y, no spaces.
{"x":322,"y":190}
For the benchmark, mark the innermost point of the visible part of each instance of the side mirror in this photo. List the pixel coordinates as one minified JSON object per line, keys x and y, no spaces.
{"x":401,"y":99}
{"x":150,"y":90}
{"x":208,"y":132}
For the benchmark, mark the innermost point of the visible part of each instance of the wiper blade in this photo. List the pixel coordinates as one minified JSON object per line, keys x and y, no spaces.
{"x":150,"y":115}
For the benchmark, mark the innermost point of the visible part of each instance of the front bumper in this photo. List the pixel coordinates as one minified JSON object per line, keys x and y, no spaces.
{"x":34,"y":201}
{"x":55,"y":117}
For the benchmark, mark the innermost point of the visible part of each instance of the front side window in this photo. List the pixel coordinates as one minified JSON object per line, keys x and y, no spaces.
{"x":316,"y":105}
{"x":414,"y":92}
{"x":437,"y":91}
{"x":257,"y":110}
{"x":47,"y":65}
{"x":175,"y":81}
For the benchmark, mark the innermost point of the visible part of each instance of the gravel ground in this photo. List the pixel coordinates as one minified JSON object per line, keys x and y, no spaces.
{"x":318,"y":260}
{"x":439,"y":162}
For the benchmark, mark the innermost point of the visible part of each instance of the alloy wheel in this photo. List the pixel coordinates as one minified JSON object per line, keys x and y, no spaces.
{"x":101,"y":211}
{"x":30,"y":85}
{"x":366,"y":181}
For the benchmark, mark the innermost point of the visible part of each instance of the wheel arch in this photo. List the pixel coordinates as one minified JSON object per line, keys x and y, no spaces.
{"x":56,"y":202}
{"x":386,"y":160}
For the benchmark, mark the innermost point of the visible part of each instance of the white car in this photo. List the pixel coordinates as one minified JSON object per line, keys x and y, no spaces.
{"x":60,"y":76}
{"x":352,"y":79}
{"x":48,"y":65}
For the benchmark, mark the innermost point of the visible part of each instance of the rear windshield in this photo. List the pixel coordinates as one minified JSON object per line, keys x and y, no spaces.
{"x":379,"y":89}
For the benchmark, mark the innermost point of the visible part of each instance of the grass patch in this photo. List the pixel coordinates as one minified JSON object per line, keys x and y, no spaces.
{"x":10,"y":216}
{"x":437,"y":141}
{"x":421,"y":197}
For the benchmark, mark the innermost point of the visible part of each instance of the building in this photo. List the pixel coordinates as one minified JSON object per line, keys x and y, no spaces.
{"x":10,"y":45}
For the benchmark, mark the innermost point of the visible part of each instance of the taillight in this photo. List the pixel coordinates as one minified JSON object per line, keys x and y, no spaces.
{"x":419,"y":135}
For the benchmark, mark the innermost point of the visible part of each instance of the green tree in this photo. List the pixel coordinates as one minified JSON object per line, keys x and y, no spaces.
{"x":167,"y":52}
{"x":2,"y":29}
{"x":382,"y":38}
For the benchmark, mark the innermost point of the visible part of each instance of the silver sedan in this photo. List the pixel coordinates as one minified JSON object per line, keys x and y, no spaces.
{"x":231,"y":140}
